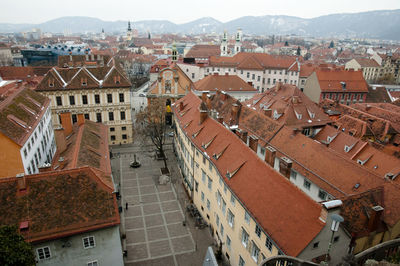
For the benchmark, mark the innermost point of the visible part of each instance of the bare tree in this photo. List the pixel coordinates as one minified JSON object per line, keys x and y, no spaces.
{"x":150,"y":124}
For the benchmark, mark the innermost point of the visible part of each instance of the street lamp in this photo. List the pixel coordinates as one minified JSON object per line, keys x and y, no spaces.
{"x":336,"y":220}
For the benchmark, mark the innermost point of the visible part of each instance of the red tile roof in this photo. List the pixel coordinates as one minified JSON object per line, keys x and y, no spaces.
{"x":203,"y":51}
{"x":22,"y":73}
{"x":224,"y":83}
{"x":270,"y":198}
{"x":297,"y":110}
{"x":20,"y":113}
{"x":331,"y":80}
{"x":366,"y":62}
{"x":257,"y":61}
{"x":58,"y":204}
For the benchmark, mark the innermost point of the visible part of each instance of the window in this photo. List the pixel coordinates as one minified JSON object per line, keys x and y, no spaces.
{"x":232,"y":200}
{"x":307,"y":184}
{"x":231,"y":218}
{"x":112,"y":137}
{"x":322,"y":194}
{"x":209,"y":183}
{"x":72,"y":100}
{"x":268,"y":243}
{"x":43,"y":253}
{"x":111,"y":116}
{"x":293,"y":174}
{"x":316,"y":244}
{"x":97,"y":98}
{"x":88,"y":242}
{"x":336,"y":239}
{"x":112,"y":129}
{"x":92,"y":263}
{"x":208,"y":204}
{"x":253,"y":76}
{"x":74,"y":118}
{"x":122,"y":115}
{"x":228,"y":242}
{"x":255,"y":251}
{"x":210,"y":167}
{"x":203,"y":176}
{"x":87,"y":116}
{"x":123,"y":128}
{"x":25,"y":153}
{"x":124,"y":136}
{"x":109,"y":98}
{"x":247,"y":217}
{"x":258,"y":231}
{"x":223,"y":206}
{"x":221,"y":181}
{"x":241,"y":261}
{"x":121,"y":98}
{"x":217,"y":220}
{"x":248,"y":74}
{"x":222,"y":230}
{"x":225,"y":188}
{"x":245,"y":238}
{"x":98,"y":118}
{"x":84,"y":99}
{"x":58,"y":100}
{"x":192,"y":75}
{"x":204,"y":159}
{"x":219,"y":198}
{"x":202,"y":196}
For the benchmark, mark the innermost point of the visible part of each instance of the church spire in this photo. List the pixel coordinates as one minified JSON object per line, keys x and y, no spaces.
{"x":129,"y":26}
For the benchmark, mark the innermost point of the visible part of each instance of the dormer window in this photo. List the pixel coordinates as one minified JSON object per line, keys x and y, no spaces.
{"x":298,"y":115}
{"x":84,"y":81}
{"x":311,"y":114}
{"x":117,"y":80}
{"x":51,"y":82}
{"x":276,"y":115}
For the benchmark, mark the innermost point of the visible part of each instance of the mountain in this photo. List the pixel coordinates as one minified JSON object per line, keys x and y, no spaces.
{"x":382,"y":24}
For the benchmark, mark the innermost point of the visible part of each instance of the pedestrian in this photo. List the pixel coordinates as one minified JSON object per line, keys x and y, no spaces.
{"x":126,"y":205}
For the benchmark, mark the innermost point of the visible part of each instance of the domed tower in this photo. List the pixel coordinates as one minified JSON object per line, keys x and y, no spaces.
{"x":238,"y":43}
{"x":224,"y":44}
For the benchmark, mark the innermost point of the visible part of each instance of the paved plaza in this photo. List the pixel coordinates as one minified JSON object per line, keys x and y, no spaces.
{"x":155,"y":234}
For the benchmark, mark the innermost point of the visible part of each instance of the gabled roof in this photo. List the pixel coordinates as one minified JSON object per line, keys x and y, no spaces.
{"x":296,"y":109}
{"x":20,"y":113}
{"x":271,"y":199}
{"x":224,"y":83}
{"x":203,"y":51}
{"x":83,"y":78}
{"x":377,"y":95}
{"x":338,"y":80}
{"x":366,"y":62}
{"x":257,"y":61}
{"x":58,"y":204}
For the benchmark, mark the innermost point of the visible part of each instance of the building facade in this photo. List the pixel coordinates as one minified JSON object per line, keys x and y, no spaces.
{"x":102,"y":94}
{"x":26,"y":132}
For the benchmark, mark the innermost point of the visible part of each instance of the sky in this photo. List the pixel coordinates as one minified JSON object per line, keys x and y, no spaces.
{"x":178,"y":11}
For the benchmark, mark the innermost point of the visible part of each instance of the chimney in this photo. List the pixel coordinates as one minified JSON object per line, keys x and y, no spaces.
{"x":204,"y":96}
{"x":268,"y":112}
{"x":285,"y":166}
{"x":244,"y":136}
{"x":253,"y":141}
{"x":235,"y":110}
{"x":66,"y":123}
{"x":81,"y":119}
{"x":21,"y":182}
{"x":223,"y":96}
{"x":278,"y":86}
{"x":180,"y":106}
{"x":45,"y":168}
{"x":203,"y":112}
{"x":270,"y":154}
{"x":60,"y":140}
{"x":208,"y":102}
{"x":374,"y":218}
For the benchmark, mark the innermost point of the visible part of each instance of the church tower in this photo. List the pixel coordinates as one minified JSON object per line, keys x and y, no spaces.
{"x":224,"y":44}
{"x":129,"y":34}
{"x":238,"y":43}
{"x":174,"y":53}
{"x":103,"y":35}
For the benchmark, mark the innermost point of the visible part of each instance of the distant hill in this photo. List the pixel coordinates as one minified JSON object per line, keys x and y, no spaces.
{"x":382,"y":24}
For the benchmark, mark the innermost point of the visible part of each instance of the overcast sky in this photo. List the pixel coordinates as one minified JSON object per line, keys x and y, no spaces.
{"x":178,"y":11}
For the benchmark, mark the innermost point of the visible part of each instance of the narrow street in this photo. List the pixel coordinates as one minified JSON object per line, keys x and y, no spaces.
{"x":153,"y":223}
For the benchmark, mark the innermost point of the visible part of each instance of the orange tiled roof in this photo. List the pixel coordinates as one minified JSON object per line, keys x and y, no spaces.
{"x":330,"y":80}
{"x":20,"y":113}
{"x":366,"y":62}
{"x":224,"y":83}
{"x":203,"y":51}
{"x":297,"y":110}
{"x":22,"y":73}
{"x":58,"y":204}
{"x":271,"y":199}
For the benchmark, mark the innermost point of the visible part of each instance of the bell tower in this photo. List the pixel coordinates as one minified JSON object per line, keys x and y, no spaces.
{"x":238,"y":43}
{"x":224,"y":44}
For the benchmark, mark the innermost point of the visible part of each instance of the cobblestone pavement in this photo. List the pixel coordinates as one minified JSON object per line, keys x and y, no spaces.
{"x":153,"y":223}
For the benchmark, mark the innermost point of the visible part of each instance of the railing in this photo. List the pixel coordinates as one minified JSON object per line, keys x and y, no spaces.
{"x":379,"y":252}
{"x":286,"y":261}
